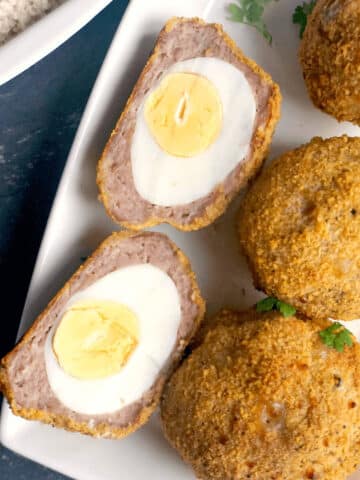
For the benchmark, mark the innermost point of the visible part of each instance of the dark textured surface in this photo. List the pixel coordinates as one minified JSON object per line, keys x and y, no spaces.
{"x":39,"y":113}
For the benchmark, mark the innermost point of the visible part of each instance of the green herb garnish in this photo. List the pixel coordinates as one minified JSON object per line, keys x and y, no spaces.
{"x":336,"y":336}
{"x":250,"y":12}
{"x":271,"y":303}
{"x":301,"y":14}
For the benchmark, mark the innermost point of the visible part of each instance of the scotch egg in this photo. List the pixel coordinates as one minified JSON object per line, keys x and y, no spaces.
{"x":95,"y":361}
{"x":308,"y":254}
{"x":329,"y":58}
{"x":262,"y":397}
{"x":197,"y":126}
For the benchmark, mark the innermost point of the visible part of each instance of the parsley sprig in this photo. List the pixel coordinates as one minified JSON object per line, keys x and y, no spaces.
{"x":250,"y":12}
{"x":271,"y":303}
{"x":336,"y":336}
{"x":301,"y":14}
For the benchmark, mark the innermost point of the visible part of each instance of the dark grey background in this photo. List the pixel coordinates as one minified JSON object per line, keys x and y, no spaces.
{"x":39,"y":113}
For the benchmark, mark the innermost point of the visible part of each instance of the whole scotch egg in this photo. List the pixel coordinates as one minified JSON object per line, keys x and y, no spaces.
{"x":196,"y":127}
{"x":299,"y":228}
{"x":329,"y":57}
{"x":261,"y":397}
{"x":95,"y":361}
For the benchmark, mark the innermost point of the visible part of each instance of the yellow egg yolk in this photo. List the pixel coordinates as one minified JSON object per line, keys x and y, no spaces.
{"x":184,"y":114}
{"x":94,"y":339}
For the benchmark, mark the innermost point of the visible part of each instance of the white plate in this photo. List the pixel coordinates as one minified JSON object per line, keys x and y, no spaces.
{"x":42,"y":37}
{"x":78,"y":223}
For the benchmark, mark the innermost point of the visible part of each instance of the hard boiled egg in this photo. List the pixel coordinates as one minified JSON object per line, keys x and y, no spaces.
{"x":191,"y":131}
{"x":113,"y":339}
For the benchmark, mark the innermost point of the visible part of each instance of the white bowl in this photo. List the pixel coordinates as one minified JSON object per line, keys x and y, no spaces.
{"x":42,"y":37}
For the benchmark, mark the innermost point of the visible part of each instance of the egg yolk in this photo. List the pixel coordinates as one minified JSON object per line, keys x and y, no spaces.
{"x":184,"y":114}
{"x":94,"y":339}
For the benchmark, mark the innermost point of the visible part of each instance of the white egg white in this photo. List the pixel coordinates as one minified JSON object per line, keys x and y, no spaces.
{"x":167,"y":180}
{"x":152,"y":295}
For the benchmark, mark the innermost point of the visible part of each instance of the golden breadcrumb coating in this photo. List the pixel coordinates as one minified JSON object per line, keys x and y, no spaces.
{"x":330,"y":58}
{"x":262,"y":398}
{"x":299,"y":227}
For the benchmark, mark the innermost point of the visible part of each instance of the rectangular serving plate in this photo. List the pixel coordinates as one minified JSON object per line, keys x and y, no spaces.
{"x":78,"y":223}
{"x":46,"y":34}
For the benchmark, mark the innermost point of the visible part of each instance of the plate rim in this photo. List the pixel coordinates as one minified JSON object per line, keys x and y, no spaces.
{"x":32,"y":44}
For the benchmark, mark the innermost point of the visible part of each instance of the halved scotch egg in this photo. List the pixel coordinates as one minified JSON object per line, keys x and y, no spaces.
{"x":196,"y":127}
{"x":95,"y":361}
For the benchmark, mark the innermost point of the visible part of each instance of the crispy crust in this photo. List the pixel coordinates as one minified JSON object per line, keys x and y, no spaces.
{"x":261,"y":140}
{"x":261,"y":397}
{"x":329,"y":56}
{"x":103,"y":429}
{"x":299,"y":228}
